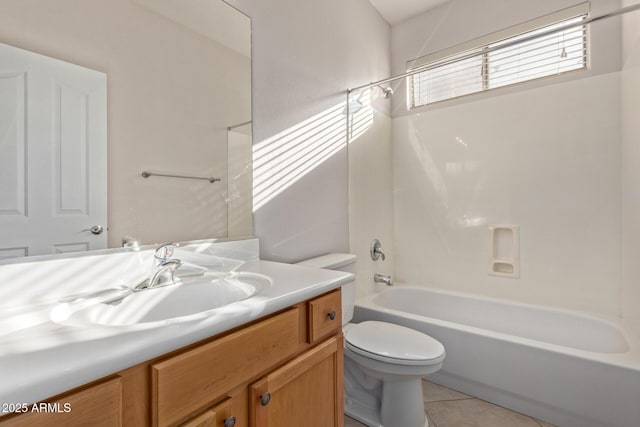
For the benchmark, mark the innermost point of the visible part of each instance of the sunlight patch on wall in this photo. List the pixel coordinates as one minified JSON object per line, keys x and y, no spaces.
{"x":283,"y":159}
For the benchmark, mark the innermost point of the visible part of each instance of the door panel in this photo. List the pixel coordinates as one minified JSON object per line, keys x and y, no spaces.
{"x":13,"y":144}
{"x":53,"y":167}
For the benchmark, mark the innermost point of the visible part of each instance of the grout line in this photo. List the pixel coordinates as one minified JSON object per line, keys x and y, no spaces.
{"x":430,"y":420}
{"x":537,"y":421}
{"x":450,"y":400}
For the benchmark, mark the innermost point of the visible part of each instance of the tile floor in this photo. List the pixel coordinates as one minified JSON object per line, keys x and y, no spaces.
{"x":449,"y":408}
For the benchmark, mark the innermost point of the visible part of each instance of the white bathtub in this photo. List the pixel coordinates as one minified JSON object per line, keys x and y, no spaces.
{"x":563,"y":367}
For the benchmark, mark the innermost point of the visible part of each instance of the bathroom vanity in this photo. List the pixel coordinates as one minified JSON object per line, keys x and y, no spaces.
{"x":284,"y":369}
{"x":275,"y":359}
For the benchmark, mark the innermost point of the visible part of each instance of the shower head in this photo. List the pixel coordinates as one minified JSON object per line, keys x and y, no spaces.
{"x":387,"y":92}
{"x":355,"y":104}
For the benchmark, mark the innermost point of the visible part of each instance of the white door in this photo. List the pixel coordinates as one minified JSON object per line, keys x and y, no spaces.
{"x":53,"y":155}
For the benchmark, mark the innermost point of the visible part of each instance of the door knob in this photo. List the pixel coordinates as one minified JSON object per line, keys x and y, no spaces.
{"x":230,"y":422}
{"x":96,"y":229}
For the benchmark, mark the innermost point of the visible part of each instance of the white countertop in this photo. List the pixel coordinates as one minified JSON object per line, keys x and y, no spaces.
{"x":46,"y":358}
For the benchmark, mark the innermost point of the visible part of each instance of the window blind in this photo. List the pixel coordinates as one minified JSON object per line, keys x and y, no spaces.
{"x":494,"y":67}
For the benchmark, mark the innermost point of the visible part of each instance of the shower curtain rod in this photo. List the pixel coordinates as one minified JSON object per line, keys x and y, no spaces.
{"x":426,"y":67}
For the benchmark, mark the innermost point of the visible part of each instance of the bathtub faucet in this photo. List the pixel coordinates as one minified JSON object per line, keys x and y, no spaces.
{"x":379,"y":278}
{"x":376,"y":251}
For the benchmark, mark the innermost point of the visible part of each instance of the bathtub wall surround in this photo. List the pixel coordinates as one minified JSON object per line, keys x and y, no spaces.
{"x":545,"y":156}
{"x":563,"y":189}
{"x":371,"y":196}
{"x":577,"y":371}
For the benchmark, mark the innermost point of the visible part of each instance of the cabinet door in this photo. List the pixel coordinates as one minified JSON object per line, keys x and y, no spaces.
{"x":218,"y":416}
{"x":308,"y":391}
{"x":98,"y":405}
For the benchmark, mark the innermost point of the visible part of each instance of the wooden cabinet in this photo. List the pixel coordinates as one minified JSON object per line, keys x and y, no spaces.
{"x":325,"y":316}
{"x":293,"y":356}
{"x":305,"y":392}
{"x":196,"y":378}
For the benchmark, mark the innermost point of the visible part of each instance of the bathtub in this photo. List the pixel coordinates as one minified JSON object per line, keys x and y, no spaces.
{"x":567,"y":368}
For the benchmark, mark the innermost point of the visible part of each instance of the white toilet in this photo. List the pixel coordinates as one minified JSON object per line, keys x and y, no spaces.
{"x":384,"y":363}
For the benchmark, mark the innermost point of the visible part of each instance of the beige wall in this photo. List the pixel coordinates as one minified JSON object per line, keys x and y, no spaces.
{"x":239,"y":200}
{"x":172,"y":92}
{"x":630,"y":95}
{"x":305,"y":55}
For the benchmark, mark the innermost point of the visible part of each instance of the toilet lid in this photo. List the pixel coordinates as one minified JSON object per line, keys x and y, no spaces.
{"x":393,"y":343}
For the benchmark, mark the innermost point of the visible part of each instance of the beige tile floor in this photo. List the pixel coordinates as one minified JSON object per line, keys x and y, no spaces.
{"x":449,"y":408}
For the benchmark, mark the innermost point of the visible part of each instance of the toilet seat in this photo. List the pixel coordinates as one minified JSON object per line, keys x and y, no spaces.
{"x":393,"y":344}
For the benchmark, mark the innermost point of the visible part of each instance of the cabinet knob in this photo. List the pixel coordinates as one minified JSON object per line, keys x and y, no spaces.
{"x":332,"y":315}
{"x":265,"y":399}
{"x":230,"y":422}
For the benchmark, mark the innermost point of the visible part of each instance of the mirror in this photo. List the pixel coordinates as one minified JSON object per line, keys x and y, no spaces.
{"x":165,"y":83}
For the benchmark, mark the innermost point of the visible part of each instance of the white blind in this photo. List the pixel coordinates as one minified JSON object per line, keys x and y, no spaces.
{"x":534,"y":58}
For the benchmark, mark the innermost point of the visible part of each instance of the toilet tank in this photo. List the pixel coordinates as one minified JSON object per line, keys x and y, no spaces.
{"x":339,"y":262}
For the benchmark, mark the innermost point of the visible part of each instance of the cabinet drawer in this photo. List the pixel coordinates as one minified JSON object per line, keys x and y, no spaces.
{"x":193,"y":380}
{"x":325,"y":315}
{"x":98,"y":405}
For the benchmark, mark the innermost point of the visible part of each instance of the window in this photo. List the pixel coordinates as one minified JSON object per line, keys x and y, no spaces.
{"x":487,"y":65}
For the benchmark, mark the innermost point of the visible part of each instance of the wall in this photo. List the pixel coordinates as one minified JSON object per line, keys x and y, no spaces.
{"x":545,"y":156}
{"x":163,"y":78}
{"x":305,"y":55}
{"x":240,"y":186}
{"x":630,"y":92}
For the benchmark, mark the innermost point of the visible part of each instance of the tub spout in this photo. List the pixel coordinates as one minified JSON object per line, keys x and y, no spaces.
{"x":379,"y":278}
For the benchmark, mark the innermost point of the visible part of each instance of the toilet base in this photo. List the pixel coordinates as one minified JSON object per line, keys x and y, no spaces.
{"x":362,"y":413}
{"x":383,"y":403}
{"x":366,"y":415}
{"x":402,"y":403}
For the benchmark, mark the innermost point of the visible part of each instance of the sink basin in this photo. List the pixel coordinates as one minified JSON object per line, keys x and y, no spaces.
{"x":207,"y":292}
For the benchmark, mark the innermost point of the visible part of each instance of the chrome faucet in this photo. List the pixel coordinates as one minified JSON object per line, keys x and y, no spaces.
{"x":379,"y":278}
{"x":375,"y":250}
{"x":164,"y":267}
